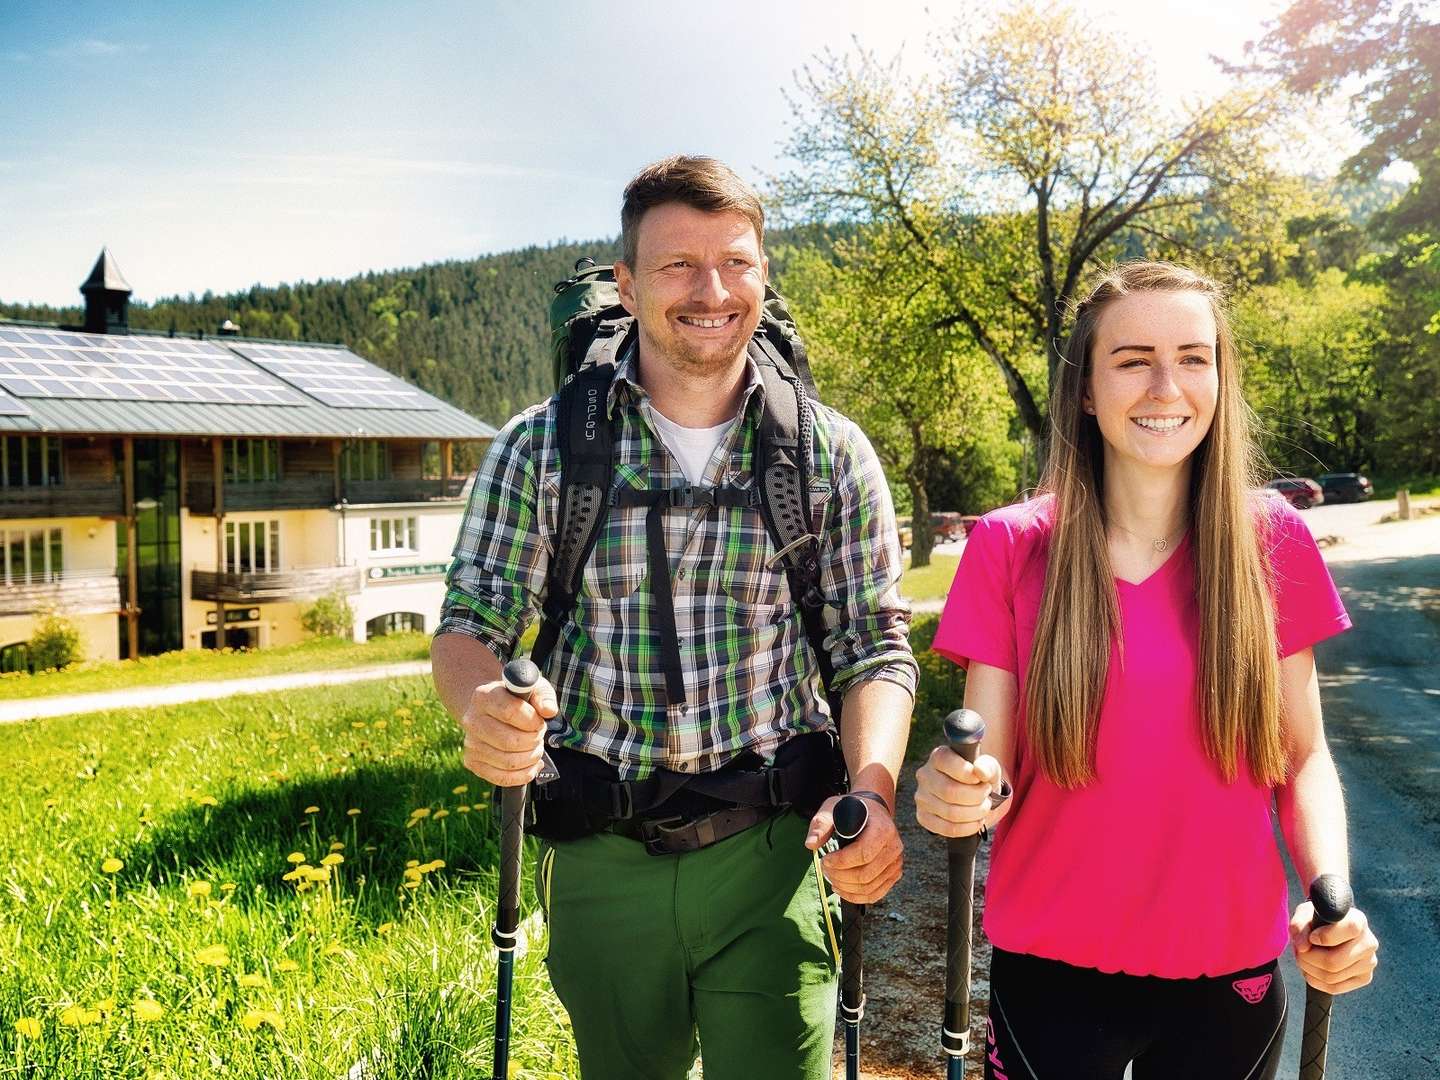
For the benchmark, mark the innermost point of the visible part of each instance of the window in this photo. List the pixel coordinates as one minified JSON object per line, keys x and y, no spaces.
{"x":397,"y":622}
{"x":31,"y":556}
{"x":394,"y":534}
{"x":252,"y":461}
{"x":365,"y":459}
{"x":15,"y":657}
{"x":252,"y":547}
{"x":29,"y":461}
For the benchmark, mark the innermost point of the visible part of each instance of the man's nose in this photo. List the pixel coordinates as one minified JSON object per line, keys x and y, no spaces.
{"x":709,"y":287}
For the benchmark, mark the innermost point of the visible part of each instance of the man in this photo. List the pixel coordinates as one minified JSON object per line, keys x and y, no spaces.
{"x":720,"y":936}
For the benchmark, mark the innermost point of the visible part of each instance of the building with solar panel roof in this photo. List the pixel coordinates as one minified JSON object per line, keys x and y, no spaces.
{"x":167,"y":492}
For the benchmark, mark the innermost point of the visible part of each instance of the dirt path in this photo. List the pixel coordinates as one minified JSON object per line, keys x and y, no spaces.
{"x":905,"y":963}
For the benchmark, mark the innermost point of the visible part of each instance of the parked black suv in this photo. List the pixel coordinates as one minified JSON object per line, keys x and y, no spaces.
{"x":1346,"y":487}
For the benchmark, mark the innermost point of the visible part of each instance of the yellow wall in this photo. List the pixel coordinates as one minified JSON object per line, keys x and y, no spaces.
{"x":99,"y":634}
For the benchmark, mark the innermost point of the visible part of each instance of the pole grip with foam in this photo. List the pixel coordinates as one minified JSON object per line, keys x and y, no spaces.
{"x":1332,"y":899}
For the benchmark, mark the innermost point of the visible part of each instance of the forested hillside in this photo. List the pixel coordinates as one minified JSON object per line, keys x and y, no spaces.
{"x":473,"y":332}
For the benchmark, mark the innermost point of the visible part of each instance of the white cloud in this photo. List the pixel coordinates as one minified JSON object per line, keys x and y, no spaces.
{"x":92,"y":47}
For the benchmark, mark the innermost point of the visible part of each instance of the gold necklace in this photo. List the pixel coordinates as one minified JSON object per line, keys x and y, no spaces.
{"x":1160,"y":543}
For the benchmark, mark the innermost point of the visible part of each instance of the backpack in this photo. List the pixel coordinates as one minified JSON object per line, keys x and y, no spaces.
{"x":589,"y":333}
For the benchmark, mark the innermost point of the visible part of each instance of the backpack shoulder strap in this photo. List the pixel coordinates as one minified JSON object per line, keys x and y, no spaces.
{"x":586,"y":442}
{"x":783,"y":466}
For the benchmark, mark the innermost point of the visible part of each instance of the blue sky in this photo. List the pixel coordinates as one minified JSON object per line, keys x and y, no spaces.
{"x":216,"y":145}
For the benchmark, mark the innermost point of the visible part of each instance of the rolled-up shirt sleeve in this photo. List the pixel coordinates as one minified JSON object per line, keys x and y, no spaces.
{"x":860,"y":572}
{"x":496,"y":579}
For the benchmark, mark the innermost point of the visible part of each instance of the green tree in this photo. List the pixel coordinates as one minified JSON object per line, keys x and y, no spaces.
{"x":918,"y":393}
{"x":1039,"y":149}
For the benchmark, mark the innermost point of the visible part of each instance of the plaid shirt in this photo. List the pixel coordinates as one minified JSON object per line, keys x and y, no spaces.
{"x":751,"y":679}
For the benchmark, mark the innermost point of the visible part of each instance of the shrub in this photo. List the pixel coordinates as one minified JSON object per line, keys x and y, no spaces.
{"x":54,"y":644}
{"x":330,"y":616}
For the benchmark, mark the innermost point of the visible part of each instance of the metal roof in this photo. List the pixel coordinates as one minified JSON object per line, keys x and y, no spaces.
{"x":313,"y":419}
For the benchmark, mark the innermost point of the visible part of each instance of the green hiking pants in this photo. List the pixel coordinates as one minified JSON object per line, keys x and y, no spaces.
{"x":727,"y":945}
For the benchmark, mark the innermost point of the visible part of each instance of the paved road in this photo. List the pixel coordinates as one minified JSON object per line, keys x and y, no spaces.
{"x":1381,"y":688}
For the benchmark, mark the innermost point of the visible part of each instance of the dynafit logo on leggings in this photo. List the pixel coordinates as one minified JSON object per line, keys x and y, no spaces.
{"x":1252,"y":990}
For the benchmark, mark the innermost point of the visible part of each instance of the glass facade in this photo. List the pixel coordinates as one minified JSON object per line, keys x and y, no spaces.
{"x":30,"y":461}
{"x":252,"y":461}
{"x":157,"y":548}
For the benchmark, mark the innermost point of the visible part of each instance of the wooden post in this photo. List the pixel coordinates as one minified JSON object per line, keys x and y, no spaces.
{"x":447,"y":466}
{"x":336,"y":449}
{"x":217,"y":472}
{"x":132,"y":558}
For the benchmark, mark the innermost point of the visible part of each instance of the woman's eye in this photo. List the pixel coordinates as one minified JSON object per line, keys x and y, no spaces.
{"x":1202,"y":360}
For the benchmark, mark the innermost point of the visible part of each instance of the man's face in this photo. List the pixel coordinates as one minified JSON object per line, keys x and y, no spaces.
{"x":697,"y":287}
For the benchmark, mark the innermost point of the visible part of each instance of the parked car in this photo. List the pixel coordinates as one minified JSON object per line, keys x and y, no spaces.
{"x":946,"y":525}
{"x":1346,"y":487}
{"x":1302,"y":492}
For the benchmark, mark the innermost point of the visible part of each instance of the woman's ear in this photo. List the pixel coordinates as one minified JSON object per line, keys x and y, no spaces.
{"x":1087,"y":402}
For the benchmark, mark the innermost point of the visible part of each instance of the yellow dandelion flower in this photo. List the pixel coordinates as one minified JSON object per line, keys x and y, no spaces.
{"x":414,"y":873}
{"x":208,"y":800}
{"x":255,"y":1018}
{"x":319,"y":874}
{"x":312,"y":809}
{"x":385,"y":928}
{"x":460,"y":789}
{"x":213,"y":955}
{"x":295,"y":857}
{"x":147,"y":1011}
{"x":354,"y":811}
{"x":462,"y":809}
{"x":333,"y":949}
{"x":402,"y":712}
{"x":105,"y":1005}
{"x":357,"y":724}
{"x":380,"y":725}
{"x":420,"y":812}
{"x":433,"y":865}
{"x":28,"y":1027}
{"x":252,"y":979}
{"x":298,"y":873}
{"x":77,"y":1016}
{"x":303,"y":886}
{"x":480,"y":806}
{"x":50,"y":804}
{"x":441,"y":813}
{"x":112,"y":865}
{"x":333,"y":859}
{"x":412,"y":862}
{"x":337,"y":845}
{"x":228,"y":887}
{"x":287,"y":965}
{"x":413,"y":883}
{"x":198,"y":888}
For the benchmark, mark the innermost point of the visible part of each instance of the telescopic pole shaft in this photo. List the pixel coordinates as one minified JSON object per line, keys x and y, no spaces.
{"x":520,"y":678}
{"x":1330,"y":894}
{"x":851,"y":815}
{"x":963,"y":731}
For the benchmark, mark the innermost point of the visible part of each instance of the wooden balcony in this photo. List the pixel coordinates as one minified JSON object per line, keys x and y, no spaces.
{"x":63,"y":500}
{"x":301,"y":491}
{"x":76,"y":593}
{"x":316,"y":491}
{"x":303,"y":583}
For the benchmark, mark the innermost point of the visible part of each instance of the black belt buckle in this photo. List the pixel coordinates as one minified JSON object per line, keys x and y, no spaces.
{"x":661,"y":836}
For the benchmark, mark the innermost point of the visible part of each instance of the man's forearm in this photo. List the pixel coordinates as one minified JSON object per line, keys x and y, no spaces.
{"x":460,"y":663}
{"x":874,"y":731}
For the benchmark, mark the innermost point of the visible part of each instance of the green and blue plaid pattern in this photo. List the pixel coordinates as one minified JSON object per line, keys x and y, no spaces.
{"x":751,"y":680}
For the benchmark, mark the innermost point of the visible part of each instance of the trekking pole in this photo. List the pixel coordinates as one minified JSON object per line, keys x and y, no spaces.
{"x":963,"y":731}
{"x":1331,"y":896}
{"x":520,"y":678}
{"x":850,"y":815}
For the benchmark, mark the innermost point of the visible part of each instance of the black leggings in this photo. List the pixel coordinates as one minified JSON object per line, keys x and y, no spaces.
{"x":1050,"y":1021}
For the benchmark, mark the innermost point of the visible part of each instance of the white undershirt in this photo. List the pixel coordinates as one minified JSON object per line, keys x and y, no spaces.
{"x":692,"y":447}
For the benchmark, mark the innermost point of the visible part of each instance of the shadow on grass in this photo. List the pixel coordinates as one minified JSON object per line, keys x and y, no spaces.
{"x":247,"y":837}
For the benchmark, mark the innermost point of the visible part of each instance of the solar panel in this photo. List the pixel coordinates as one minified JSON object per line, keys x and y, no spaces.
{"x":336,"y":377}
{"x":10,"y":406}
{"x":39,"y":363}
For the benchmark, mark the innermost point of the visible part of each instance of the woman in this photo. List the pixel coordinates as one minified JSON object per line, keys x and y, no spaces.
{"x":1138,"y":640}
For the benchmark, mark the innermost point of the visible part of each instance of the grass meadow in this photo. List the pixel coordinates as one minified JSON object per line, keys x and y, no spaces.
{"x":263,"y":887}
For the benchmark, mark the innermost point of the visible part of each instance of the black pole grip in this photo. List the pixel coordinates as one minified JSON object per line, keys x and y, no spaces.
{"x":851,"y":814}
{"x":963,"y":731}
{"x":1331,"y":896}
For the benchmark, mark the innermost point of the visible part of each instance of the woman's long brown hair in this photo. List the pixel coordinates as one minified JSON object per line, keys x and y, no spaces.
{"x":1239,"y":678}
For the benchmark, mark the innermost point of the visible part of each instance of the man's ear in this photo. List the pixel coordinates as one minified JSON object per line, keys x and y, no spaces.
{"x":625,"y":282}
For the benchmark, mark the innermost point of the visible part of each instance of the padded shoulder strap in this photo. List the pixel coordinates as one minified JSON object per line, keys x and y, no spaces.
{"x":587,"y":466}
{"x":784,"y":460}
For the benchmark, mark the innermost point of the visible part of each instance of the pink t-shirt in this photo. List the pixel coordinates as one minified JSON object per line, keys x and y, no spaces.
{"x":1157,"y":867}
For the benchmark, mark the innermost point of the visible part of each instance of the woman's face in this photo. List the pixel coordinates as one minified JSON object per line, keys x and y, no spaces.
{"x":1153,"y":379}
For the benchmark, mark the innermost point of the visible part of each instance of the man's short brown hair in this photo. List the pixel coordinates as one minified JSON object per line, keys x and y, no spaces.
{"x":699,"y":182}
